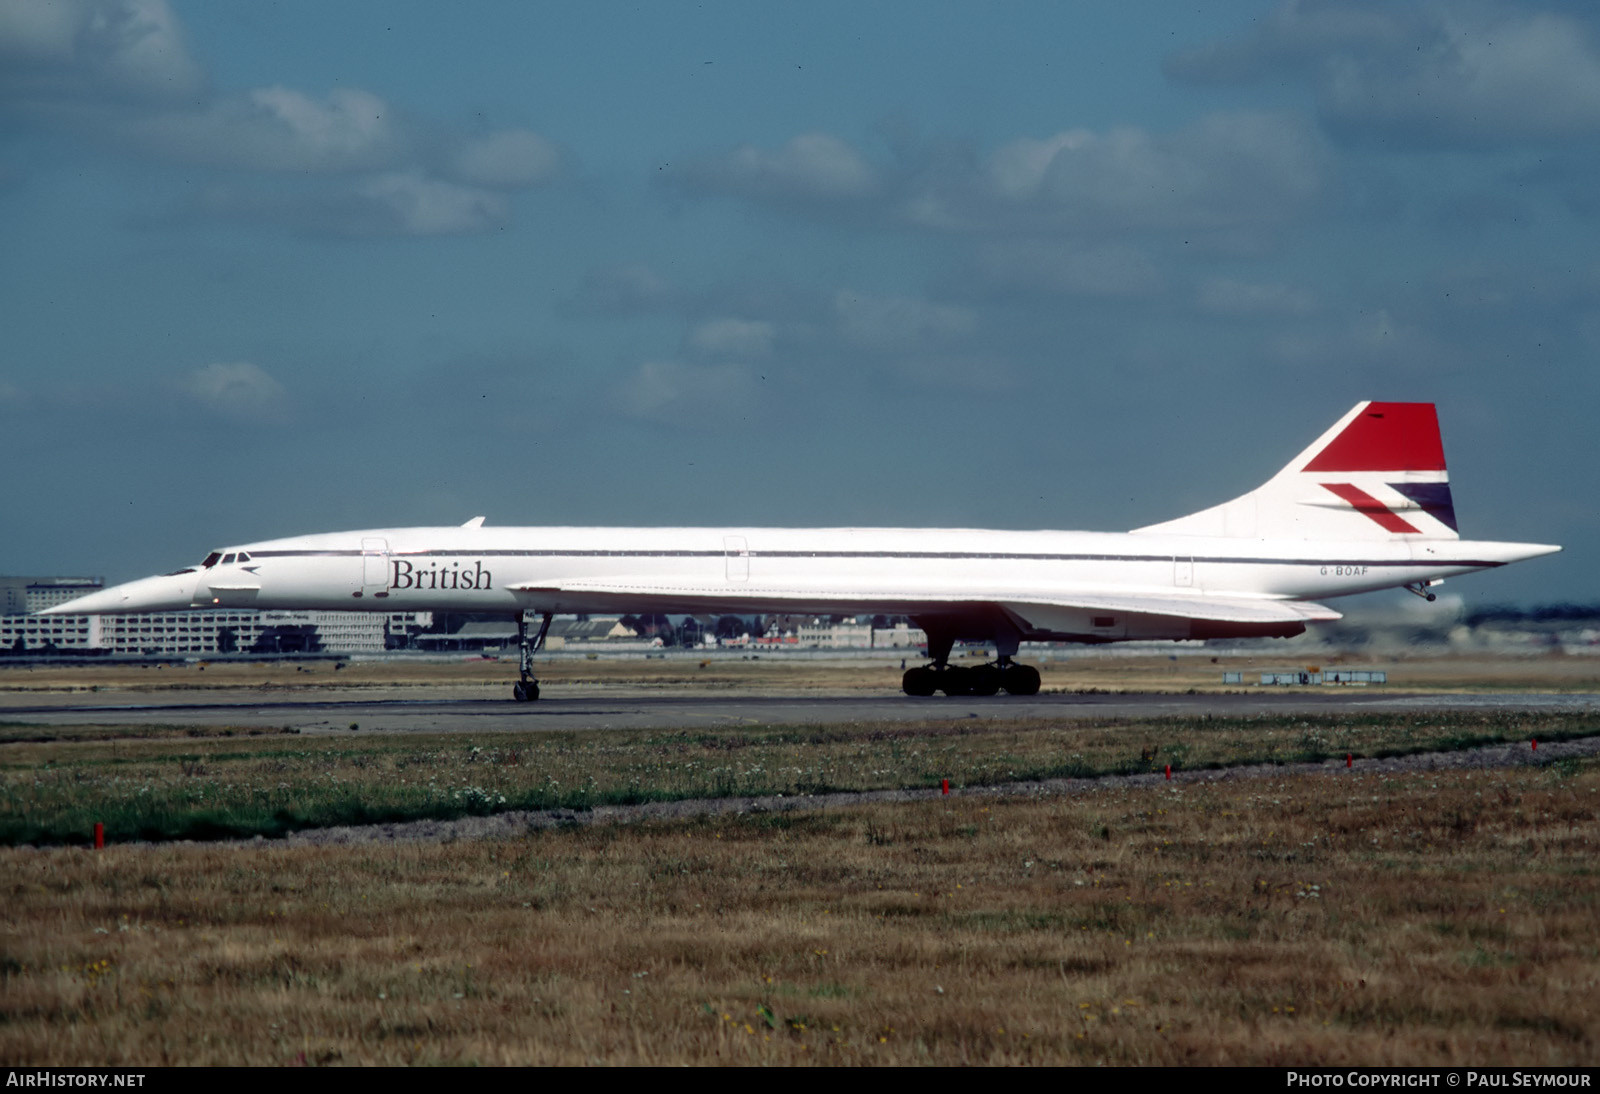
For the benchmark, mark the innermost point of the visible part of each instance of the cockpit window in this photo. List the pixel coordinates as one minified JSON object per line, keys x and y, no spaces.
{"x":244,"y":556}
{"x":211,"y":560}
{"x":227,"y":559}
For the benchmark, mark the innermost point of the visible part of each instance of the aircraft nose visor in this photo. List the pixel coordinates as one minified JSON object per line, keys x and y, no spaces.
{"x":168,"y":593}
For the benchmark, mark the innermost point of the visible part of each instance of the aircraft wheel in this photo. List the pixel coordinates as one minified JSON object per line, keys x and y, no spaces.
{"x":984,"y":680}
{"x":525,"y":692}
{"x":919,"y":682}
{"x":954,"y":681}
{"x":1020,"y":679}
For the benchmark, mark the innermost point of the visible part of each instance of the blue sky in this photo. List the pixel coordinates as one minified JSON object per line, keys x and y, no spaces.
{"x":272,"y":269}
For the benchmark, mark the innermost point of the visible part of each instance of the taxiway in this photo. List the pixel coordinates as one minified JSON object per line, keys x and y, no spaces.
{"x":646,"y":708}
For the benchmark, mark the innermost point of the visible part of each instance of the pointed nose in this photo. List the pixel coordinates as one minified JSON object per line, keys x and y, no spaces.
{"x":168,"y":593}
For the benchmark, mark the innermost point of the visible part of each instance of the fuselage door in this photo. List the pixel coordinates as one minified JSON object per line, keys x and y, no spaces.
{"x":374,"y":565}
{"x":737,"y":553}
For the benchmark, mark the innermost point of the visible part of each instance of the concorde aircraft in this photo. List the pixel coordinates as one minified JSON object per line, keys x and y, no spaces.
{"x":1365,"y":507}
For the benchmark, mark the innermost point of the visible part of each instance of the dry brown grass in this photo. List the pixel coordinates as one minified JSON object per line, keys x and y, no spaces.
{"x":1430,"y":919}
{"x":31,"y":682}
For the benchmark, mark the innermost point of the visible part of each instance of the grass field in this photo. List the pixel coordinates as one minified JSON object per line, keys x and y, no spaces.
{"x":1345,"y":920}
{"x":1349,"y":918}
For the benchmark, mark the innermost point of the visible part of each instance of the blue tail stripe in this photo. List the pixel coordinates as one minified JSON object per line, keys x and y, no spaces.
{"x":1433,"y":498}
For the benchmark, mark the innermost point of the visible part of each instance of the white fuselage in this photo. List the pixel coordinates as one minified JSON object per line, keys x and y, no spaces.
{"x":1052,"y":583}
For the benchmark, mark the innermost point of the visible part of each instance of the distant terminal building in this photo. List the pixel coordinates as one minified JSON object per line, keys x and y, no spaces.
{"x":565,"y":633}
{"x":20,"y":595}
{"x":204,"y":633}
{"x":849,"y":632}
{"x":33,"y":633}
{"x":196,"y":633}
{"x":240,"y":631}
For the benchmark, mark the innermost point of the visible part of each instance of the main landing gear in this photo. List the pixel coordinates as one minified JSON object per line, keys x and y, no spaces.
{"x":526,"y":689}
{"x":1003,"y":674}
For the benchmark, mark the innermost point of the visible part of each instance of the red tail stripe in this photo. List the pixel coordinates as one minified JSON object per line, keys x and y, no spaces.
{"x":1385,"y":437}
{"x":1366,"y":504}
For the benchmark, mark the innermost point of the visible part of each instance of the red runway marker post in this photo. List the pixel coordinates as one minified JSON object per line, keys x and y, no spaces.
{"x":947,"y":787}
{"x":99,"y":836}
{"x":1169,"y":772}
{"x":1349,"y":759}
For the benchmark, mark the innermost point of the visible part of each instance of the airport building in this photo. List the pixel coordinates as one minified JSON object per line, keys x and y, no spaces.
{"x":20,"y":595}
{"x":31,"y":633}
{"x":196,"y":633}
{"x":205,"y":633}
{"x":848,"y":633}
{"x":239,"y":631}
{"x":826,"y":634}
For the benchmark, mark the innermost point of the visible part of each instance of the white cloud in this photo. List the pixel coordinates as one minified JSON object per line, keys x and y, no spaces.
{"x":1231,"y":176}
{"x":509,"y":159}
{"x":237,"y":390}
{"x":345,"y":127}
{"x":1524,"y":79}
{"x":899,"y":322}
{"x":1437,"y":73}
{"x":119,"y":72}
{"x":978,"y":374}
{"x":674,"y":393}
{"x":1224,"y":171}
{"x":812,"y":166}
{"x":1109,"y":271}
{"x":411,"y":204}
{"x":1297,"y":35}
{"x":41,"y":32}
{"x":94,"y":50}
{"x":395,"y":203}
{"x":625,"y":290}
{"x":278,"y":129}
{"x":747,"y":338}
{"x":1225,"y":296}
{"x":1018,"y":169}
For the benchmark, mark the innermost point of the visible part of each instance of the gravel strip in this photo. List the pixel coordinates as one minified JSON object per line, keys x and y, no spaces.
{"x":1521,"y":754}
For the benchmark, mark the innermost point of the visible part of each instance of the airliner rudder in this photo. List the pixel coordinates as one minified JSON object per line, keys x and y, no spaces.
{"x":1366,"y":506}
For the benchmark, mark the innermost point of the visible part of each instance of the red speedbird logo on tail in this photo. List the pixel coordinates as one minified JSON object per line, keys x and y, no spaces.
{"x":1390,"y":438}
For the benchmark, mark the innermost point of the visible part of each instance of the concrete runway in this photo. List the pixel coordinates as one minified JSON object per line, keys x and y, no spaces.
{"x":407,"y":710}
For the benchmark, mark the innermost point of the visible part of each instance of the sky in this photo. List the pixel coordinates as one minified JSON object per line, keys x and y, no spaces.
{"x":275,"y":269}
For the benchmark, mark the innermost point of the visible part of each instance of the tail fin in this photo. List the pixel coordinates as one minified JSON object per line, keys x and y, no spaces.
{"x":1378,"y":474}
